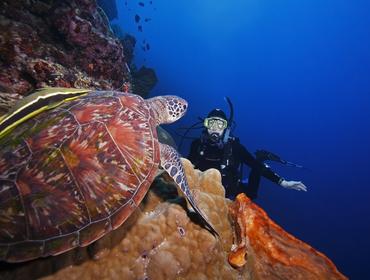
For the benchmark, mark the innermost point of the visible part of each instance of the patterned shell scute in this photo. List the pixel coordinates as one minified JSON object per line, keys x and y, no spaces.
{"x":72,"y":174}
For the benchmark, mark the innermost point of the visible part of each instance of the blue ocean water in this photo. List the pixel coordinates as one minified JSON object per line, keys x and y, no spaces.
{"x":298,"y":73}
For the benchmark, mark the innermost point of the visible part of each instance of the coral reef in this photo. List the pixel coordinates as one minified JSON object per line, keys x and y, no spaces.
{"x":268,"y":252}
{"x":128,"y":41}
{"x":57,"y":43}
{"x":143,"y":81}
{"x":164,"y":240}
{"x":109,"y":7}
{"x":63,"y":43}
{"x":7,"y":100}
{"x":70,"y":44}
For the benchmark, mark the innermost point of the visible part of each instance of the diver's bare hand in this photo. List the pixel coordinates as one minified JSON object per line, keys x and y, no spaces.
{"x":295,"y":185}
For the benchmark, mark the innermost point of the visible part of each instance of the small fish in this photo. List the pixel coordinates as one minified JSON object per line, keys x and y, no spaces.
{"x":150,"y":2}
{"x":137,"y":18}
{"x":39,"y":101}
{"x":125,"y":3}
{"x":147,"y":19}
{"x":141,"y":4}
{"x":140,"y":28}
{"x":147,"y":46}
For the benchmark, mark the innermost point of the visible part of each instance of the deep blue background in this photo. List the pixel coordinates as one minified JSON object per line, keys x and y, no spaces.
{"x":298,"y":73}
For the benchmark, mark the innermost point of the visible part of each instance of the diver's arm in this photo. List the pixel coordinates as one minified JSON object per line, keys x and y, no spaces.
{"x":248,"y":159}
{"x":268,"y":173}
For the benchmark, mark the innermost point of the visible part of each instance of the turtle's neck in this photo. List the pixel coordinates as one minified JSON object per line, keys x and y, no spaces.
{"x":158,"y":107}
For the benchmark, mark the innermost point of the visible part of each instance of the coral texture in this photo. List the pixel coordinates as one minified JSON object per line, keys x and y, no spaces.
{"x":63,"y":43}
{"x":143,"y":80}
{"x":7,"y":100}
{"x":163,"y":240}
{"x":268,"y":252}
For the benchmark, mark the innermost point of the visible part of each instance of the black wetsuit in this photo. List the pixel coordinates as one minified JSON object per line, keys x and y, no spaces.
{"x":227,"y":158}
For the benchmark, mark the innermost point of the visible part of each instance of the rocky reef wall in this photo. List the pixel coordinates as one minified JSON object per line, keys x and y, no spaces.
{"x":58,"y":43}
{"x":64,"y":44}
{"x":109,"y":7}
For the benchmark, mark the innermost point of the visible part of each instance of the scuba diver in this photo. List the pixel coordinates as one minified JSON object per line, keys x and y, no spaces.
{"x":216,"y":148}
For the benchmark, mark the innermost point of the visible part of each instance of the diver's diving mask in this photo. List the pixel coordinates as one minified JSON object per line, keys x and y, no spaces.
{"x":213,"y":123}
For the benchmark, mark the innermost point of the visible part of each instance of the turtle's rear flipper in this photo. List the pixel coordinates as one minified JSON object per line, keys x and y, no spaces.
{"x":170,"y":161}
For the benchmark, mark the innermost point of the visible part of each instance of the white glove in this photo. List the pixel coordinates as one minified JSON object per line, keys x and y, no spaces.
{"x":295,"y":185}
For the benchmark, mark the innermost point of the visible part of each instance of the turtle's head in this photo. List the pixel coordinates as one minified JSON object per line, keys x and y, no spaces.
{"x":168,"y":108}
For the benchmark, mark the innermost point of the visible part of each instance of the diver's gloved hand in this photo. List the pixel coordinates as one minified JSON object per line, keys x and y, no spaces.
{"x":295,"y":185}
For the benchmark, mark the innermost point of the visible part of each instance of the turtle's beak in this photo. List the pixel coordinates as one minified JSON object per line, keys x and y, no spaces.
{"x":183,"y":104}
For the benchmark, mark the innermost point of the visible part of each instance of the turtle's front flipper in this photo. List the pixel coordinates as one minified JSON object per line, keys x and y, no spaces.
{"x":170,"y":161}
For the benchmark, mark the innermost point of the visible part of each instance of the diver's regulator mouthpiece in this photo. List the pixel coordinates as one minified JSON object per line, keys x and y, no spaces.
{"x":215,"y":137}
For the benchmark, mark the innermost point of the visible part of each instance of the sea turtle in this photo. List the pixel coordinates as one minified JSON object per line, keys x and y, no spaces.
{"x":74,"y":171}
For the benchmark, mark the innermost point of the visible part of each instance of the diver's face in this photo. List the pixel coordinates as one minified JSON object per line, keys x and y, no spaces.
{"x":215,"y":134}
{"x":215,"y":128}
